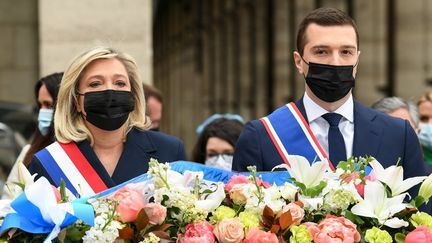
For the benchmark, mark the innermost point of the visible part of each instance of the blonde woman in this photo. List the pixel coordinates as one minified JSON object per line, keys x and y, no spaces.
{"x":100,"y":126}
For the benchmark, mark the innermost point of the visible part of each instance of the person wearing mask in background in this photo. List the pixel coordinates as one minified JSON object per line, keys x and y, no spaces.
{"x":46,"y":91}
{"x":424,"y":105}
{"x":398,"y":107}
{"x":217,"y":139}
{"x":101,"y":131}
{"x":327,"y":120}
{"x":154,"y":103}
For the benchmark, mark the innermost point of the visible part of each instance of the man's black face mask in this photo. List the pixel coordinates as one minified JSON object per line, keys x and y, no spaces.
{"x":329,"y":82}
{"x":108,"y":109}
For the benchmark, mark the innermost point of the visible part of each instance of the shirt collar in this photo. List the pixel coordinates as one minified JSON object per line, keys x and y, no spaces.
{"x":314,"y":111}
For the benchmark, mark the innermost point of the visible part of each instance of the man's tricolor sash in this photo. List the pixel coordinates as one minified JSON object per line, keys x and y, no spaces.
{"x":65,"y":161}
{"x":291,"y":135}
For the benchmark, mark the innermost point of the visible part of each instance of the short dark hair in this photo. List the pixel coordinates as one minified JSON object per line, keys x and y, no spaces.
{"x":151,"y":91}
{"x":323,"y":17}
{"x":225,"y":129}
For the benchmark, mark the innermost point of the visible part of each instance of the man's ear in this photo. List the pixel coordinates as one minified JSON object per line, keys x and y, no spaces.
{"x":357,"y":64}
{"x":298,"y":62}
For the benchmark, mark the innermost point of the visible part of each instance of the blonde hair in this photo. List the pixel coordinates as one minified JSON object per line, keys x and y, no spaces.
{"x":69,"y":123}
{"x":427,"y":96}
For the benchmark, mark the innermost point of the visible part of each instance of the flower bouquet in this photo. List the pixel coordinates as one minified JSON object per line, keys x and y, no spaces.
{"x":312,"y":204}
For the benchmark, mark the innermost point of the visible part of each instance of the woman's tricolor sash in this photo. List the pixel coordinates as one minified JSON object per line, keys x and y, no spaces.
{"x":65,"y":161}
{"x":291,"y":135}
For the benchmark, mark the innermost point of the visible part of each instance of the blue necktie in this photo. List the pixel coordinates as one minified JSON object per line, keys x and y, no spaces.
{"x":336,"y":142}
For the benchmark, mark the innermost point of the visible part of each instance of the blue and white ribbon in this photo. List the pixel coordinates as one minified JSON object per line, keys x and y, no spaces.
{"x":36,"y":211}
{"x":216,"y":174}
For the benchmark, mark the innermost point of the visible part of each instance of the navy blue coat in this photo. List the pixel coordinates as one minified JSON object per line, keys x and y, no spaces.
{"x":140,"y":146}
{"x":386,"y":138}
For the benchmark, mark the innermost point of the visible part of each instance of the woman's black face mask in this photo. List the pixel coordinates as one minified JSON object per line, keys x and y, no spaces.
{"x":329,"y":82}
{"x":108,"y":109}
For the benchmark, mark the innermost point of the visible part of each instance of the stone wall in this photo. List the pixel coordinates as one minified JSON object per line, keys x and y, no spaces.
{"x":19,"y":50}
{"x":69,"y":27}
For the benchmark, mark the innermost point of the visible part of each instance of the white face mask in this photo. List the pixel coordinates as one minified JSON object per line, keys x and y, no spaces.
{"x":221,"y":161}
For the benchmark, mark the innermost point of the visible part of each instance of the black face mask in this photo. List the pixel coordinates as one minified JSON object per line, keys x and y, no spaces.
{"x":108,"y":109}
{"x":329,"y":82}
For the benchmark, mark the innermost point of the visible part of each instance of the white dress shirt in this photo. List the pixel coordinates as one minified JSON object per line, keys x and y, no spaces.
{"x":320,"y":126}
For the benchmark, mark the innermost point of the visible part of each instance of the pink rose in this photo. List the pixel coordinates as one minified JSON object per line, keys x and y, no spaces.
{"x":156,"y":213}
{"x":130,"y":202}
{"x":420,"y":235}
{"x":256,"y":235}
{"x":236,"y":194}
{"x":336,"y":229}
{"x":297,"y":212}
{"x":198,"y":233}
{"x":229,"y":231}
{"x":240,"y":179}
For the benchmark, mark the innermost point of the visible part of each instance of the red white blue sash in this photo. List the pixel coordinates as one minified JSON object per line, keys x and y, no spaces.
{"x":291,"y":135}
{"x":65,"y":161}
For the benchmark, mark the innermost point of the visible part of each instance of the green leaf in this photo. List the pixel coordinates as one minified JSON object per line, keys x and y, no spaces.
{"x":63,"y":196}
{"x":316,"y":190}
{"x":419,"y":200}
{"x":354,"y":218}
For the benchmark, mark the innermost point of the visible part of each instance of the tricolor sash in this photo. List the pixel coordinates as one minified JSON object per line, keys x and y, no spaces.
{"x":291,"y":135}
{"x":65,"y":161}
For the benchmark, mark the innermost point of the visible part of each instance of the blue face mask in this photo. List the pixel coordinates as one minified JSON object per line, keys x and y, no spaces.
{"x":44,"y":120}
{"x":425,"y":135}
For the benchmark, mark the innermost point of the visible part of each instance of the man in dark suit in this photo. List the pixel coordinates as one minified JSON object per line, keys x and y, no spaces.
{"x":327,"y":56}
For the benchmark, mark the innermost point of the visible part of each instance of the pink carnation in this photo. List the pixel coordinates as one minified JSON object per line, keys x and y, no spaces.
{"x":420,"y":235}
{"x":156,"y":213}
{"x":237,"y":179}
{"x":256,"y":235}
{"x":130,"y":203}
{"x":241,"y":179}
{"x":335,"y":229}
{"x":198,"y":233}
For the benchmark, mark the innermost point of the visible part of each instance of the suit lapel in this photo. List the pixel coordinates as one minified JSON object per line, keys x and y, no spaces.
{"x":301,"y":108}
{"x":135,"y":157}
{"x":367,"y":133}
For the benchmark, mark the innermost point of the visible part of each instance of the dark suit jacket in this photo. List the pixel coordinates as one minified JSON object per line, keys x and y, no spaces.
{"x":140,"y":146}
{"x":386,"y":138}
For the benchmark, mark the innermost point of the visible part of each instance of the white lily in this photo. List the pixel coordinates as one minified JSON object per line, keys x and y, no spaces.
{"x":213,"y":200}
{"x":21,"y":178}
{"x":312,"y":203}
{"x":304,"y":172}
{"x":393,"y":178}
{"x":377,"y":205}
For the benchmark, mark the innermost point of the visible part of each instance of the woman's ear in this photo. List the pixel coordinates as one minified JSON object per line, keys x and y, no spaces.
{"x":77,"y":103}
